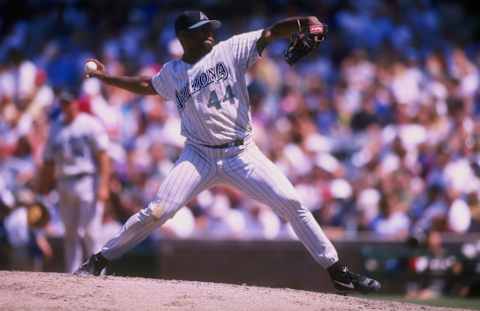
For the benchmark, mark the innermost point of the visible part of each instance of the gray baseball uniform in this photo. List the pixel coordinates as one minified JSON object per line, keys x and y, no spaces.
{"x":73,"y":148}
{"x":212,"y":99}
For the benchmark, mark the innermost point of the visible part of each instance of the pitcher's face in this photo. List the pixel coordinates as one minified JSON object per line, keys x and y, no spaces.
{"x":200,"y":38}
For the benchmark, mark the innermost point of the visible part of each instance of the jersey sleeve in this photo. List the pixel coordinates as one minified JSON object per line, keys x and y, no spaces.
{"x":161,"y":84}
{"x":244,"y":48}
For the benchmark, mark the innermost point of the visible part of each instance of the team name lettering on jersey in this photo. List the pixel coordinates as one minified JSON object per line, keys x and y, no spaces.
{"x":214,"y":74}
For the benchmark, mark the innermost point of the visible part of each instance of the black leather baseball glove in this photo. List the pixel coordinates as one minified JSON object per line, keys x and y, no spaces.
{"x":304,"y":41}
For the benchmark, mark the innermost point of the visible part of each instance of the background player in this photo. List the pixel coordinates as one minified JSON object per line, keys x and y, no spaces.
{"x":75,"y":158}
{"x":209,"y":88}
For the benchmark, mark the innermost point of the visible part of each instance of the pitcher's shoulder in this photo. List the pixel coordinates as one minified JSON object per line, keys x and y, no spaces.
{"x":222,"y":45}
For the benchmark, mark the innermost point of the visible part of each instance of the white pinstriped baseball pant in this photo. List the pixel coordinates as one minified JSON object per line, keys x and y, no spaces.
{"x":245,"y":168}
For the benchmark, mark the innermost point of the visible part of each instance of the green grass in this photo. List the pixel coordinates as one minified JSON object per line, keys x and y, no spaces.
{"x":450,"y":302}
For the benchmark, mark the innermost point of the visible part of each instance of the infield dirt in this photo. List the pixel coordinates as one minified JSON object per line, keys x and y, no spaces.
{"x":56,"y":291}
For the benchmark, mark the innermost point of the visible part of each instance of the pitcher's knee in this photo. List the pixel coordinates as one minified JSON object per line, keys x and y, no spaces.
{"x":160,"y":210}
{"x":292,"y":206}
{"x":294,"y":203}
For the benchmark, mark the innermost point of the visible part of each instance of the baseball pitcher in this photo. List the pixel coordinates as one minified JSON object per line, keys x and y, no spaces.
{"x":209,"y":88}
{"x":75,"y":159}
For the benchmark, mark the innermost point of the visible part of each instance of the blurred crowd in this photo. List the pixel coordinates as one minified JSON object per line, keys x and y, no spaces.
{"x":379,"y":130}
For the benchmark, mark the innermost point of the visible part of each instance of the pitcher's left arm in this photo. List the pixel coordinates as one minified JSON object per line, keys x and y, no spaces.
{"x":309,"y":29}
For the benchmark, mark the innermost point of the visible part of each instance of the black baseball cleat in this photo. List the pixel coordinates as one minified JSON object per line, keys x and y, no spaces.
{"x":346,"y":281}
{"x":93,"y":266}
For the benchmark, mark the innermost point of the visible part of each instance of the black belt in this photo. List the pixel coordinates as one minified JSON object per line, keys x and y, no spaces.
{"x":235,"y":143}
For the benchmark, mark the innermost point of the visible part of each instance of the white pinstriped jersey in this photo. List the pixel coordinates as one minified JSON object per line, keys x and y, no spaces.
{"x":73,"y":147}
{"x":211,"y":95}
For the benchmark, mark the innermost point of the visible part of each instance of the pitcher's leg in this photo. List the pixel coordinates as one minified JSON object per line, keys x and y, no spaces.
{"x":257,"y":176}
{"x":190,"y":175}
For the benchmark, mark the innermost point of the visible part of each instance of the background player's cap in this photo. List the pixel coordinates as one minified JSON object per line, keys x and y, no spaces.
{"x":189,"y":20}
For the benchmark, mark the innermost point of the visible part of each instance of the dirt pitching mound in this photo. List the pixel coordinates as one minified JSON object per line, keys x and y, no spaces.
{"x":55,"y":291}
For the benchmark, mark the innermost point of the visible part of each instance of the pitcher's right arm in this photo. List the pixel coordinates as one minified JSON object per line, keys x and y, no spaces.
{"x":140,"y":84}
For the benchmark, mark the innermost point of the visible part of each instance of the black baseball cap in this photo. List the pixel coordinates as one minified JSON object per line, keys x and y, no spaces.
{"x":189,"y":20}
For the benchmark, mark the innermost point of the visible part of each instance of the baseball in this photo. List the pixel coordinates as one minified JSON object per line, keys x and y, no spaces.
{"x":90,"y":66}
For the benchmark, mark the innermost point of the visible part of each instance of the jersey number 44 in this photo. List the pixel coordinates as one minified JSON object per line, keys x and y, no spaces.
{"x":214,"y":101}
